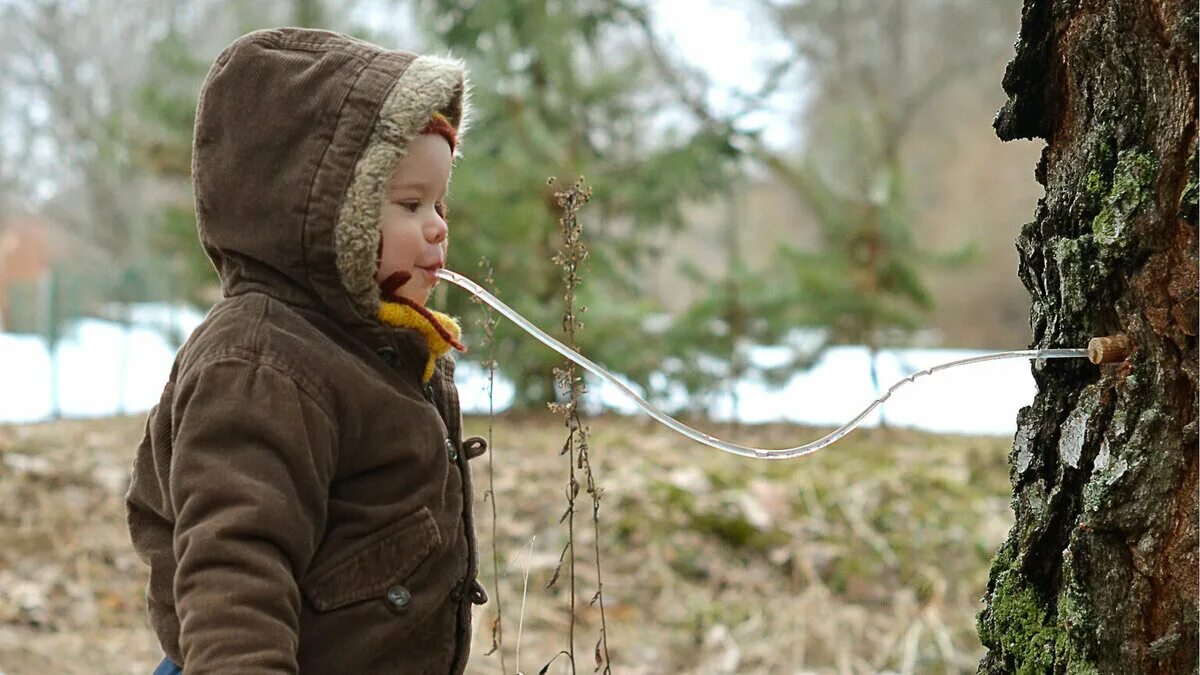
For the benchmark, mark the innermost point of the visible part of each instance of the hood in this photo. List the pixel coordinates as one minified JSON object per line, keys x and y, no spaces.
{"x":296,"y":134}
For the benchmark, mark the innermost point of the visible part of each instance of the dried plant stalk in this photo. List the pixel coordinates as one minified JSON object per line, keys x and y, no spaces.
{"x":488,"y":323}
{"x":570,"y":385}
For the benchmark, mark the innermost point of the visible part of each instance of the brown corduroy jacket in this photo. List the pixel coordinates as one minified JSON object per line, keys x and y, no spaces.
{"x":301,"y":496}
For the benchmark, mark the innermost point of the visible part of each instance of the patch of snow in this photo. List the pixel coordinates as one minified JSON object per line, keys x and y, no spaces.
{"x":101,"y":367}
{"x":106,"y":368}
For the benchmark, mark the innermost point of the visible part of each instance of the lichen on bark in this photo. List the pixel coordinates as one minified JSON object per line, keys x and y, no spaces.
{"x":1131,"y":188}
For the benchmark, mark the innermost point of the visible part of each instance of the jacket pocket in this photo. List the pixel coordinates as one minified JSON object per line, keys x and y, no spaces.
{"x":369,"y":569}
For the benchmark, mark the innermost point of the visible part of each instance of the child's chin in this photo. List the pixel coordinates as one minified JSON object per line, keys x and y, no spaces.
{"x":417,"y":298}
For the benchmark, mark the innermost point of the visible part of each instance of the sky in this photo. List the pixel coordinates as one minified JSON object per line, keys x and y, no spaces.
{"x":727,"y":40}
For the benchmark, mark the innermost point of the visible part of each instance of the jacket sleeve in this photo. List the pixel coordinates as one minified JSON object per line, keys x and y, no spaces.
{"x":253,"y":458}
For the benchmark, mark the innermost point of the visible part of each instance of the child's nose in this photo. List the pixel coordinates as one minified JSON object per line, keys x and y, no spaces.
{"x":437,"y":231}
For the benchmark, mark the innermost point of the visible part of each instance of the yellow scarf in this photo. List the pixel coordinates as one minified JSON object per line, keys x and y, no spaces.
{"x":441,"y":332}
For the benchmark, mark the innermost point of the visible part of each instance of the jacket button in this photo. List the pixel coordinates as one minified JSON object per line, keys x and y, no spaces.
{"x":388,"y":355}
{"x":399,"y":597}
{"x":429,"y":392}
{"x":451,"y":450}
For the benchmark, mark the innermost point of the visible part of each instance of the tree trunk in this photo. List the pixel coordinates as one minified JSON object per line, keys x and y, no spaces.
{"x":1099,"y":574}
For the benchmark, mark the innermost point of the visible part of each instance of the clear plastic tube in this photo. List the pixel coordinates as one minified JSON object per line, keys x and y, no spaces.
{"x":712,"y":441}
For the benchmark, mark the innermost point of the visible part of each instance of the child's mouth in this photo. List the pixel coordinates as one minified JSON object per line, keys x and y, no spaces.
{"x":429,"y":274}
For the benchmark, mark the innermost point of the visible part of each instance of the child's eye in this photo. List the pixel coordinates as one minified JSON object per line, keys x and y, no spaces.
{"x":410,"y":205}
{"x":440,"y":207}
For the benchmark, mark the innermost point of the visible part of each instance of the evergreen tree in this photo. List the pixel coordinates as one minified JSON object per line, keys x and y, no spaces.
{"x":563,"y":89}
{"x":870,"y":68}
{"x":734,"y":311}
{"x":874,"y":67}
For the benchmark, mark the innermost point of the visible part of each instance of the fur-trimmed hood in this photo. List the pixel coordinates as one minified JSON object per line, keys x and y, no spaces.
{"x":296,"y":133}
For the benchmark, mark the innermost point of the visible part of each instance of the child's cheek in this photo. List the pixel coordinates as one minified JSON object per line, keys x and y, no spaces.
{"x":385,"y":259}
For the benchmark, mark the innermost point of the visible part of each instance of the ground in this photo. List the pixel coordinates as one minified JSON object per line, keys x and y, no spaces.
{"x":870,"y":556}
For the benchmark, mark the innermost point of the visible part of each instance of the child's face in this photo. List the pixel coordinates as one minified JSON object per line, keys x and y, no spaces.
{"x":412,"y":222}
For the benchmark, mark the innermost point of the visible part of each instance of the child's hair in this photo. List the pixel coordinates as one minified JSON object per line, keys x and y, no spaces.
{"x":438,"y":124}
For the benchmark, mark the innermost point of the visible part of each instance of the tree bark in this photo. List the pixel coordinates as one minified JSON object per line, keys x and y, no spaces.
{"x":1099,"y":573}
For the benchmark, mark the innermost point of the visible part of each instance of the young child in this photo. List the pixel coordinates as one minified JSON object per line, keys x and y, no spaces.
{"x":302,"y":494}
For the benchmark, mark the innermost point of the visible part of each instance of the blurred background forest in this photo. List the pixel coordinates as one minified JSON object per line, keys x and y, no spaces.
{"x":778,"y":184}
{"x":798,"y":173}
